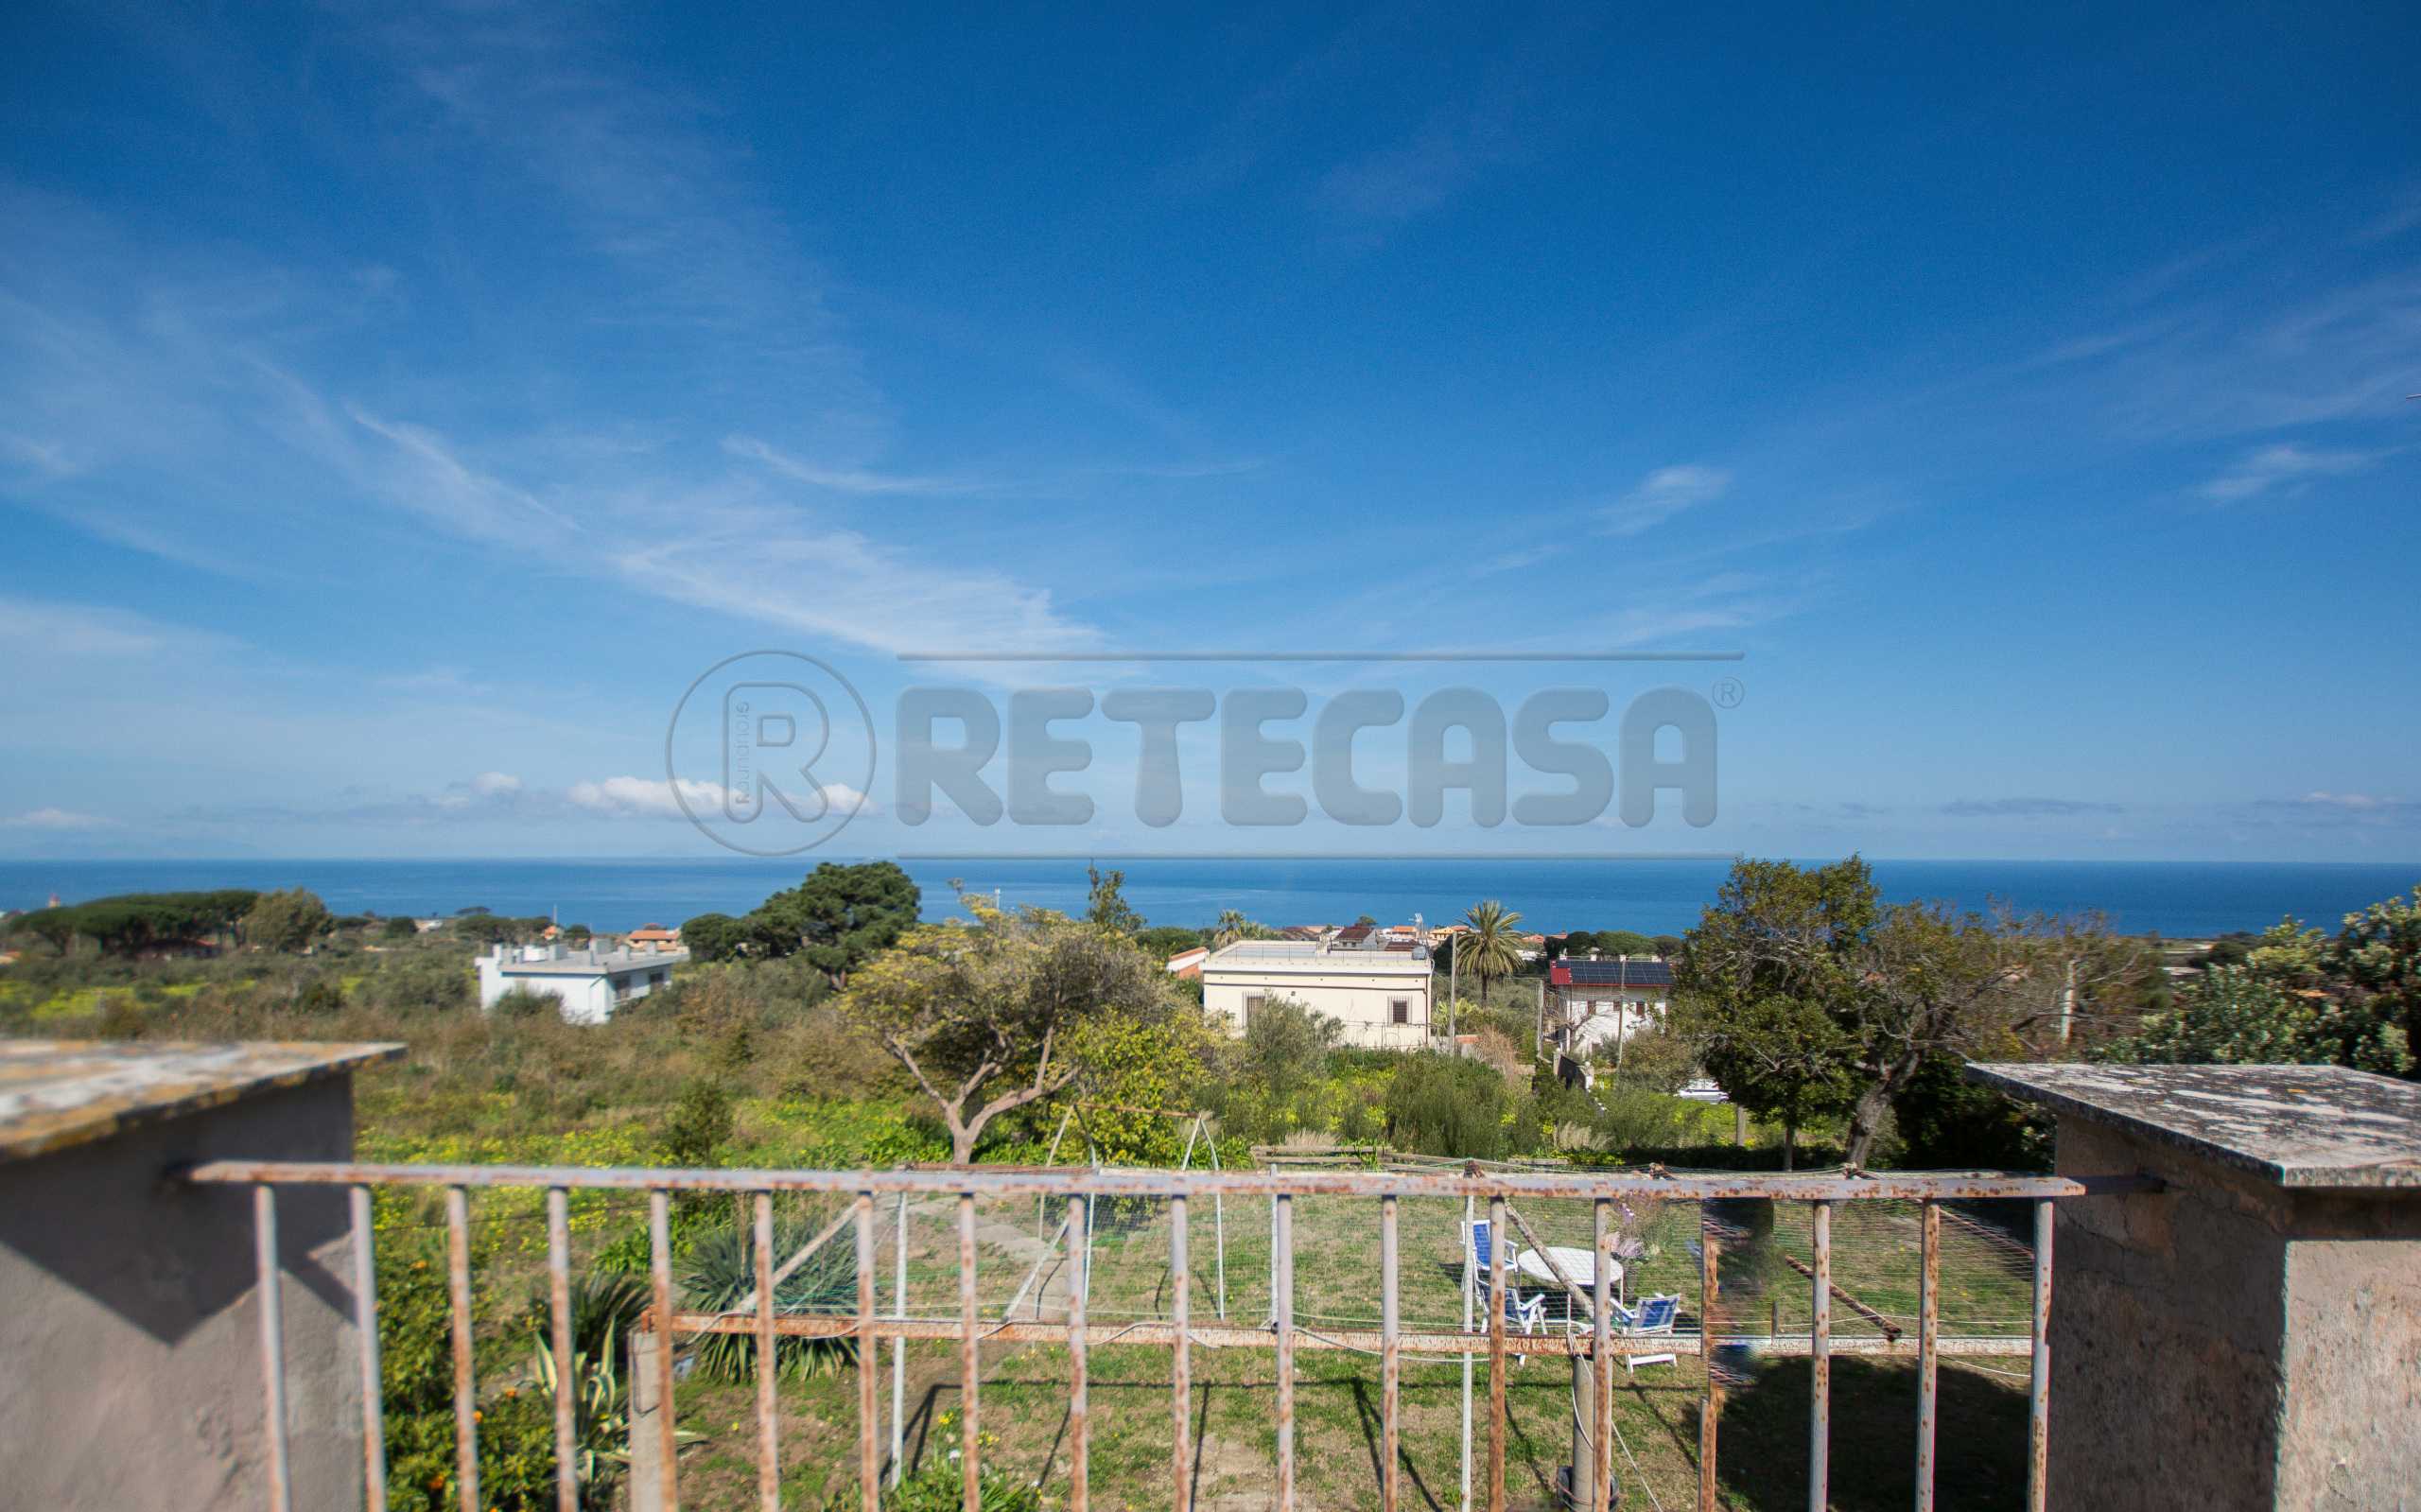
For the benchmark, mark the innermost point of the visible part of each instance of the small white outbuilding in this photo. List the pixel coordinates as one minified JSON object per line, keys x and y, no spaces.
{"x":590,"y":982}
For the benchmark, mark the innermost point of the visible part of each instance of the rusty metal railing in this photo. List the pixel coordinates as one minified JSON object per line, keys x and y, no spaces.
{"x":1078,"y":1187}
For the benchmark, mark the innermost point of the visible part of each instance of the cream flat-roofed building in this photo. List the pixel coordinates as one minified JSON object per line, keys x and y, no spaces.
{"x":1380,"y":996}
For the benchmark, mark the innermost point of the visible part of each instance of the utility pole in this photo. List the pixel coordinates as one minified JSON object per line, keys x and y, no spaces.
{"x":1453,"y":974}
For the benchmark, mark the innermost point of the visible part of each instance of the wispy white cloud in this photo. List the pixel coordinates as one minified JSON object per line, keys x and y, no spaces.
{"x":1663,"y":494}
{"x":659,"y":798}
{"x":2026,"y":807}
{"x":646,"y":798}
{"x":34,"y":630}
{"x":56,"y":819}
{"x":846,"y":480}
{"x":2284,"y":469}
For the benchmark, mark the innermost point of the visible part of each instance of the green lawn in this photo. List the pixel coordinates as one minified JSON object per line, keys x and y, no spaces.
{"x":1338,"y":1391}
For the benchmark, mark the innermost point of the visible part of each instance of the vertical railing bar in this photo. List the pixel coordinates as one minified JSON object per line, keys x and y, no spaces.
{"x":970,"y":1361}
{"x":267,"y":1285}
{"x":1180,"y":1358}
{"x":659,"y":1265}
{"x":365,"y":1323}
{"x":1471,"y":1285}
{"x":2038,"y":1427}
{"x":869,"y":1409}
{"x":1928,"y":1364}
{"x":559,"y":1325}
{"x":899,"y":1347}
{"x":1283,"y":1302}
{"x":1079,"y":1406}
{"x":458,"y":1286}
{"x":769,"y":1446}
{"x":1219,"y":1233}
{"x":1601,"y":1431}
{"x":1819,"y":1340}
{"x":1496,"y":1383}
{"x":1711,"y":1406}
{"x":1390,"y":1357}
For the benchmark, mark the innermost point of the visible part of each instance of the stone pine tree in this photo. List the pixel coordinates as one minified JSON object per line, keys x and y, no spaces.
{"x":838,"y":917}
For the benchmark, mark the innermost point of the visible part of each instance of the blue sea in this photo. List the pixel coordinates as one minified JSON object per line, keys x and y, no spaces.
{"x":2176,"y":898}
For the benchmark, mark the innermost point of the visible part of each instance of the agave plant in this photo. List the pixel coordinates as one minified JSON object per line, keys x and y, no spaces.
{"x":721,"y":1277}
{"x":601,"y":1415}
{"x":603,"y":1303}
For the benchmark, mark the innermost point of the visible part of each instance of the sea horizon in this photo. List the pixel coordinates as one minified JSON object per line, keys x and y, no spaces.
{"x":2184,"y":898}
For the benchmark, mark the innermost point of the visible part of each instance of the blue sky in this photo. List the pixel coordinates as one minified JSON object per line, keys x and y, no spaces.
{"x":398,"y":411}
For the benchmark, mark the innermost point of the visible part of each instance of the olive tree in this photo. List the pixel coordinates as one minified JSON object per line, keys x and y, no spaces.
{"x":985,"y":1015}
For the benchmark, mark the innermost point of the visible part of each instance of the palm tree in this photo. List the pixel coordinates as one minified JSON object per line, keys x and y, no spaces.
{"x":1232,"y":927}
{"x":1490,"y":947}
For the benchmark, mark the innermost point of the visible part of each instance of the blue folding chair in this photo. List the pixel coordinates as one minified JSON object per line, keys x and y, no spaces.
{"x":1655,"y":1317}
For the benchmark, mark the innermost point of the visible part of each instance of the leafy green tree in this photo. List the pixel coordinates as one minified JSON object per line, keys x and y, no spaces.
{"x":2377,"y":958}
{"x":715,"y":936}
{"x":981,"y":1013}
{"x":1286,"y":1047}
{"x":1760,"y":993}
{"x":1574,"y":943}
{"x":486,"y":928}
{"x":130,"y":922}
{"x":398,"y":929}
{"x":1657,"y":1059}
{"x":55,"y":925}
{"x":838,"y":917}
{"x":577,"y":935}
{"x":1232,"y":926}
{"x":1107,"y":906}
{"x":1165,"y":940}
{"x":287,"y":922}
{"x":1625,"y":942}
{"x":2231,"y":1016}
{"x":1947,"y":1123}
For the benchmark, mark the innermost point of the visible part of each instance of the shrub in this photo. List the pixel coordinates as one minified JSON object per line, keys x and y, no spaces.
{"x":524,"y":1002}
{"x":941,"y":1487}
{"x":1634,"y":1119}
{"x":418,"y":982}
{"x":1445,"y":1105}
{"x":701,"y":1123}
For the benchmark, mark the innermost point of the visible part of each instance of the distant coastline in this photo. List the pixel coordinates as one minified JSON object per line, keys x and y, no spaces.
{"x":2176,"y":898}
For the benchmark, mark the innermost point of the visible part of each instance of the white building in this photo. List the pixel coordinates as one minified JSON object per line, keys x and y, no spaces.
{"x":590,"y":982}
{"x":1593,"y":1002}
{"x":1379,"y":995}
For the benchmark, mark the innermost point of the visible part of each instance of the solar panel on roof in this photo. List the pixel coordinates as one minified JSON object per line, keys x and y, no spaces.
{"x":1619,"y":973}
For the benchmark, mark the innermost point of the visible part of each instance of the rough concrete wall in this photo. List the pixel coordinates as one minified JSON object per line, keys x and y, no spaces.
{"x":2230,"y":1344}
{"x":2167,"y":1386}
{"x":2352,"y":1434}
{"x":129,"y":1329}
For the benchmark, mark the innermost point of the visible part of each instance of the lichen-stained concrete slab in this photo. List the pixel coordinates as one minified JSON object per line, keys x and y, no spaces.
{"x":57,"y":1093}
{"x":2303,"y":1127}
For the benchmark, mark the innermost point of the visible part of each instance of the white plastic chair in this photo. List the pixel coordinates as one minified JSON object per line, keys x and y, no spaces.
{"x":1654,"y":1318}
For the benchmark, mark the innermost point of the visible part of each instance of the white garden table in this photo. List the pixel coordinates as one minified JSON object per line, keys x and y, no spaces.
{"x":1580,"y":1264}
